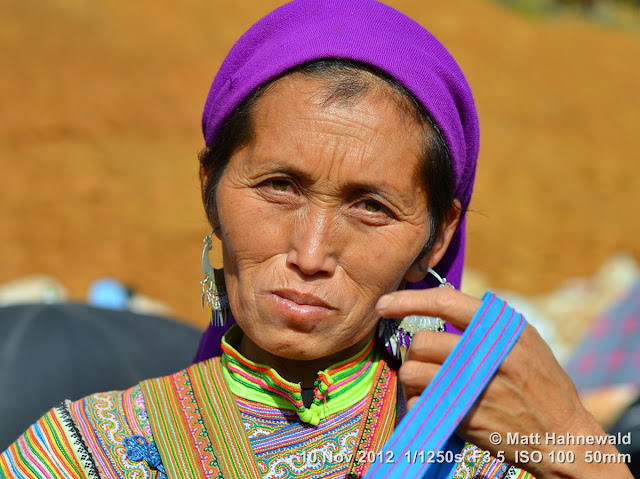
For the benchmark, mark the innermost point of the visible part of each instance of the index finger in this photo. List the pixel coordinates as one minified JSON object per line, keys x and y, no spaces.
{"x":451,"y":305}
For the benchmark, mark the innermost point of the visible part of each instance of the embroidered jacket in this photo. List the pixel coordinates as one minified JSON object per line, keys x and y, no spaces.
{"x":227,"y":418}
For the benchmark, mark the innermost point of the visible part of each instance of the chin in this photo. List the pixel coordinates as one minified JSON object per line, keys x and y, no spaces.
{"x":301,"y":346}
{"x":298,"y":355}
{"x":298,"y":346}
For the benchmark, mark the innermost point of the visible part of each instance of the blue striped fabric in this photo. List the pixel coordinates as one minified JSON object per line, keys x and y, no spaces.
{"x":411,"y":451}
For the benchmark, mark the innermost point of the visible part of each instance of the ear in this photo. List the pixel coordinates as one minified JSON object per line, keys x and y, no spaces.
{"x":216,"y":256}
{"x":418,"y":270}
{"x":210,"y":203}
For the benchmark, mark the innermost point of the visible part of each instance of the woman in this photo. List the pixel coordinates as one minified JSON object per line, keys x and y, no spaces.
{"x":341,"y":142}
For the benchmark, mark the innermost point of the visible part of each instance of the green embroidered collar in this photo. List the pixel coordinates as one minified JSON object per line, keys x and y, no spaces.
{"x":337,"y":388}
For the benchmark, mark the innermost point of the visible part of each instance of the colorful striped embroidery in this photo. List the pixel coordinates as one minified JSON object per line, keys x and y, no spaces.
{"x":79,"y":448}
{"x":199,"y":434}
{"x":379,"y":421}
{"x":49,"y":448}
{"x":206,"y":437}
{"x":336,"y":389}
{"x":222,"y":419}
{"x":171,"y":430}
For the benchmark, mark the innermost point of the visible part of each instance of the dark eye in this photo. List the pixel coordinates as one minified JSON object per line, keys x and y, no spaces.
{"x":279,"y":185}
{"x":373,"y":206}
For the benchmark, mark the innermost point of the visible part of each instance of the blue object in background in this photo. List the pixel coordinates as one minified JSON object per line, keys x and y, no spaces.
{"x":108,"y":293}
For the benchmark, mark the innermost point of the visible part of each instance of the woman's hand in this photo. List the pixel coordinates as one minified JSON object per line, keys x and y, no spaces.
{"x":529,"y":397}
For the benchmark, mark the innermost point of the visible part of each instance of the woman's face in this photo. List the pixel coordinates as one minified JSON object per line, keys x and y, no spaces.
{"x":321,"y":213}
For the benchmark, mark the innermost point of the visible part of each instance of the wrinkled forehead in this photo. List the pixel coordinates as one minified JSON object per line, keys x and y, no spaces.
{"x":345,"y":132}
{"x":365,"y":31}
{"x":336,"y":84}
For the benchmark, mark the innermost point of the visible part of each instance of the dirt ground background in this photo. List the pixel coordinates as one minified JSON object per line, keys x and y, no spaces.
{"x":100,"y":107}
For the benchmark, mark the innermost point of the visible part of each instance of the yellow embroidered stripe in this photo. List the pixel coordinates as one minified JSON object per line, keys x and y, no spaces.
{"x":170,"y":430}
{"x":222,"y":420}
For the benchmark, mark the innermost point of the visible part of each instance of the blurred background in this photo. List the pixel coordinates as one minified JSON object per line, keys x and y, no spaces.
{"x":100,"y":107}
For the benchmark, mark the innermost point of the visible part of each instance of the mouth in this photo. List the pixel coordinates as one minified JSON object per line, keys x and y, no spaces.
{"x":301,"y":306}
{"x":302,"y":299}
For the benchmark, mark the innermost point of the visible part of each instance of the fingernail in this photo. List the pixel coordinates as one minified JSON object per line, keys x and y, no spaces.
{"x":385,"y":301}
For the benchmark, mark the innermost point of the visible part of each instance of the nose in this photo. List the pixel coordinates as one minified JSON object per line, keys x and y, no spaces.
{"x":312,"y":251}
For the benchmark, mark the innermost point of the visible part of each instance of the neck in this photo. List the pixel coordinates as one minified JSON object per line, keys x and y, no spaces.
{"x":304,"y":372}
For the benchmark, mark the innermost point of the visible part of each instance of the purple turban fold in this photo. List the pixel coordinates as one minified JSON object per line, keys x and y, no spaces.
{"x":369,"y":32}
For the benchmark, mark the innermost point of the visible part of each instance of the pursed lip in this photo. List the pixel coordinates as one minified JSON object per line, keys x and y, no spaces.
{"x":303,"y":299}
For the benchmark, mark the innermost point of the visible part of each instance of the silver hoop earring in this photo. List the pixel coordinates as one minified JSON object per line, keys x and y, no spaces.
{"x":213,"y":287}
{"x":396,"y":334}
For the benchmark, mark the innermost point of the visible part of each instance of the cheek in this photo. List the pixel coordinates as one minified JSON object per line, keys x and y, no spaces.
{"x":250,"y":227}
{"x":376,"y":265}
{"x":389,"y":253}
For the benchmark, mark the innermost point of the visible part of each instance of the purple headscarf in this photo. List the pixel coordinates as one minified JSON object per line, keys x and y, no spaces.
{"x":369,"y":32}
